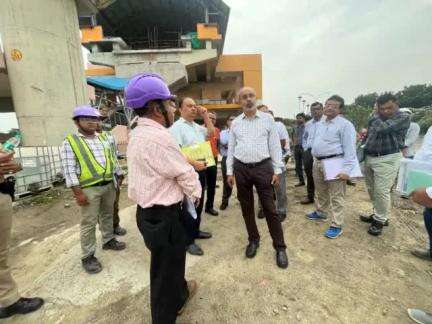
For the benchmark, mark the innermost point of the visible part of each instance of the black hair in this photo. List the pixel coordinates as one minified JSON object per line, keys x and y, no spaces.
{"x":302,"y":115}
{"x":229,"y":116}
{"x":145,"y":111}
{"x":316,"y":103}
{"x":386,"y":97}
{"x":337,"y":99}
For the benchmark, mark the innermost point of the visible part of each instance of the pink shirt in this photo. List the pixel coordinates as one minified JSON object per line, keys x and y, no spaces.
{"x":158,"y":172}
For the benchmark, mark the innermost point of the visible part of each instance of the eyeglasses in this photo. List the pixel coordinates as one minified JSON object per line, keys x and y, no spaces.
{"x":89,"y":119}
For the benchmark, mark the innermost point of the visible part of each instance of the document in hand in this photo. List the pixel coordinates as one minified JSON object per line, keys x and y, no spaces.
{"x":333,"y":167}
{"x":202,"y":151}
{"x":413,"y":174}
{"x":190,"y":207}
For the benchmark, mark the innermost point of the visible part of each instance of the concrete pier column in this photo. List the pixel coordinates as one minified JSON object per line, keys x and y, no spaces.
{"x":44,"y":65}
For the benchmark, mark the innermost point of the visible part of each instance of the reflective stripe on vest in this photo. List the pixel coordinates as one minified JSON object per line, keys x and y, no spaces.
{"x":91,"y":171}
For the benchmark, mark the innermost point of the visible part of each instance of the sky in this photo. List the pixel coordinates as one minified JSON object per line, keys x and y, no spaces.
{"x":316,"y":48}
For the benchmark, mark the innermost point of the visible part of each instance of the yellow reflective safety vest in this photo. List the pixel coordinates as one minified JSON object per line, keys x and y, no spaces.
{"x":91,"y":171}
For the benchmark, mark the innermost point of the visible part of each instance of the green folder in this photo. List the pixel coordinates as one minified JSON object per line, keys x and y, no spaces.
{"x":418,"y":179}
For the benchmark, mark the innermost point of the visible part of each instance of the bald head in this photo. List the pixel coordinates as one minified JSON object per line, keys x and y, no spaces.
{"x":246,"y":97}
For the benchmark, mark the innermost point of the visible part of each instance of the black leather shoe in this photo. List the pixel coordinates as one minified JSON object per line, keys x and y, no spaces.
{"x":369,"y":219}
{"x":282,"y":217}
{"x":307,"y":201}
{"x":212,"y":212}
{"x":91,"y":265}
{"x":224,"y":205}
{"x":261,"y":214}
{"x":204,"y":235}
{"x":251,"y":249}
{"x":376,"y":228}
{"x":120,"y":231}
{"x":114,"y":245}
{"x":350,"y":183}
{"x":300,"y":184}
{"x":281,"y":259}
{"x":22,"y":306}
{"x":195,"y":249}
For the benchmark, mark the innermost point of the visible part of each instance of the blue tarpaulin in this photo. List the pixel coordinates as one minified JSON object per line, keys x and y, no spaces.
{"x":108,"y":82}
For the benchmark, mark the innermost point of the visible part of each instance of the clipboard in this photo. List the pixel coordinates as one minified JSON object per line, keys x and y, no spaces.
{"x":200,"y":152}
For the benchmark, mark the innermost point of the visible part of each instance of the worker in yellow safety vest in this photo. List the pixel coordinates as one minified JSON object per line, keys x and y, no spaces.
{"x":91,"y":170}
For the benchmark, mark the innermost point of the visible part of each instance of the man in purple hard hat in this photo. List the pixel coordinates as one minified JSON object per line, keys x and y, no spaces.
{"x":89,"y":165}
{"x":159,"y":179}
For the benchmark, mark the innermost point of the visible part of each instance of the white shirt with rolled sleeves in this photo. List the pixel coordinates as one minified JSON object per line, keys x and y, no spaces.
{"x":425,"y":152}
{"x":253,"y":140}
{"x":411,"y":137}
{"x":188,"y":133}
{"x":336,"y":137}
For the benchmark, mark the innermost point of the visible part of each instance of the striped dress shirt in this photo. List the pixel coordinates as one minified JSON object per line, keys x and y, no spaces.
{"x":253,"y":140}
{"x":69,"y":162}
{"x":158,"y":172}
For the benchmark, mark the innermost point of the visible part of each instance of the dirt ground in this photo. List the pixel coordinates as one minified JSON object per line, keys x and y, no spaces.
{"x":354,"y":279}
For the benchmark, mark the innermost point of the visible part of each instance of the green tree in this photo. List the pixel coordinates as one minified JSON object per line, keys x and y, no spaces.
{"x":358,"y":115}
{"x":367,"y":100}
{"x":415,"y":96}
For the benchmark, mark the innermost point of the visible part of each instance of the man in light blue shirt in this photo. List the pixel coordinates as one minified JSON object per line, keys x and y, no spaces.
{"x":308,"y":137}
{"x":334,"y":138}
{"x":187,"y":132}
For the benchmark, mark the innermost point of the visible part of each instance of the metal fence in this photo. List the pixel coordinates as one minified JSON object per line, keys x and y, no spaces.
{"x":41,"y":168}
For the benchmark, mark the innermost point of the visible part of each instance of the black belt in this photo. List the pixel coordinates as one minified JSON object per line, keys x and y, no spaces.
{"x":174,"y":206}
{"x":319,"y":158}
{"x":375,"y":154}
{"x":100,"y":184}
{"x":253,"y":165}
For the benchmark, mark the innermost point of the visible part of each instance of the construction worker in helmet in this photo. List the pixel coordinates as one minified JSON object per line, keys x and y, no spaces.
{"x":89,"y":165}
{"x":159,"y":179}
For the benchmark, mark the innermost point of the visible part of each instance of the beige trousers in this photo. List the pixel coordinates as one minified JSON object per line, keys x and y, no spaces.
{"x":380,"y":175}
{"x":100,"y":208}
{"x":8,"y":288}
{"x":330,"y":194}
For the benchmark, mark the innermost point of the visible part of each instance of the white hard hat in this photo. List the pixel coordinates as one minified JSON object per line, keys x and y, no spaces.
{"x":406,"y":110}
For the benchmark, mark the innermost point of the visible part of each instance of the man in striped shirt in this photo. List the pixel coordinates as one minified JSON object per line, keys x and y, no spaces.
{"x":159,"y":179}
{"x":255,"y":159}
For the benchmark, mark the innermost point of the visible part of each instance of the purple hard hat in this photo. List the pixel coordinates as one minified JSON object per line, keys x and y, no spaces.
{"x":145,"y":87}
{"x":85,"y":111}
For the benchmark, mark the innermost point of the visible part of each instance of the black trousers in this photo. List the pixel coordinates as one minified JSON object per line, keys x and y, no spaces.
{"x":259,"y":176}
{"x":211,"y":177}
{"x":298,"y":157}
{"x":227,"y":190}
{"x":308,"y":167}
{"x":164,"y":236}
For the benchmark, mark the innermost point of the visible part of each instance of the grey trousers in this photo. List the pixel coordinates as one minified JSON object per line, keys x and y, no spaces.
{"x":100,"y":207}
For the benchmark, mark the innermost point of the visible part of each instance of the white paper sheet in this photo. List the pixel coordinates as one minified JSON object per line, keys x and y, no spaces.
{"x":333,"y":167}
{"x":190,"y":207}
